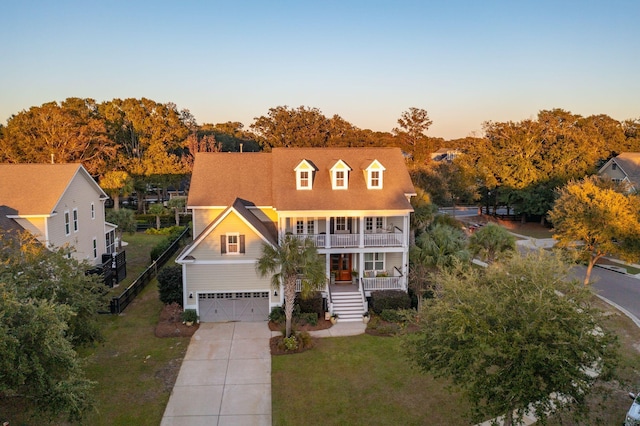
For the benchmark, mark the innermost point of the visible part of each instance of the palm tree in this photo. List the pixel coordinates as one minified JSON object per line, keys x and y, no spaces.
{"x":492,"y":242}
{"x":441,"y":247}
{"x":292,"y":258}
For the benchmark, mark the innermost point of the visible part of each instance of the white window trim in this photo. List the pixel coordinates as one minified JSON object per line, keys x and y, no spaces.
{"x":304,"y":166}
{"x":375,"y":260}
{"x":76,"y":226}
{"x":300,"y":182}
{"x":305,"y":225}
{"x":237,"y":235}
{"x":67,"y":223}
{"x":374,"y":223}
{"x":375,"y":166}
{"x":340,"y":166}
{"x":345,"y":179}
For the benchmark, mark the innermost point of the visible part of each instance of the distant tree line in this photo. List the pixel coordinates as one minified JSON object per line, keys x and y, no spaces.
{"x":134,"y":145}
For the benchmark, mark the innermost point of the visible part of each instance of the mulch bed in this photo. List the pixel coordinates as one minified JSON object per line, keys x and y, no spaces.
{"x":277,"y":348}
{"x":170,"y":323}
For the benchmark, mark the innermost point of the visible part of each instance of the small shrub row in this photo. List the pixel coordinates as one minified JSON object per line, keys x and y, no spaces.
{"x":170,"y":284}
{"x":277,"y":316}
{"x":163,"y":245}
{"x":170,"y":230}
{"x":313,"y":304}
{"x":389,"y":299}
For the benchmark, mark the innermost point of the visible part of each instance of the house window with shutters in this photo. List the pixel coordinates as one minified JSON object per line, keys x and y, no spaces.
{"x":232,"y":243}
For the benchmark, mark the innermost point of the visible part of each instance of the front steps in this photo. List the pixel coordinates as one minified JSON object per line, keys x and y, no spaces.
{"x":348,"y":306}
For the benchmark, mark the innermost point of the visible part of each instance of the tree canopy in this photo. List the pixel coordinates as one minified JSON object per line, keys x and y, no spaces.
{"x":509,"y":341}
{"x":48,"y":307}
{"x":595,"y":220}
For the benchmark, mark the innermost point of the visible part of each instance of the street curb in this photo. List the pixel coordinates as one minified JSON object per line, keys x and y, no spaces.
{"x":621,"y":309}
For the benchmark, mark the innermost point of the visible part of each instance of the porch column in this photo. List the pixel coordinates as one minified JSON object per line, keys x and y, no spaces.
{"x":327,"y":269}
{"x":361,"y":231}
{"x":406,"y":230}
{"x":405,"y":269}
{"x":327,"y":243}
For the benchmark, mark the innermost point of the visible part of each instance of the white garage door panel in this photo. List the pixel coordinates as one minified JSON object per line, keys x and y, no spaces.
{"x":246,"y":306}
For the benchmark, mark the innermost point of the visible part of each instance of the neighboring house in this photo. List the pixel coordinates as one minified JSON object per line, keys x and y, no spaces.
{"x":60,"y":204}
{"x":353,"y":203}
{"x":625,"y":168}
{"x":445,"y":154}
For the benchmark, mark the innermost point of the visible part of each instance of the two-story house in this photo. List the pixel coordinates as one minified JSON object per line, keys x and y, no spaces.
{"x":624,"y":168}
{"x":60,"y":204}
{"x":353,"y":203}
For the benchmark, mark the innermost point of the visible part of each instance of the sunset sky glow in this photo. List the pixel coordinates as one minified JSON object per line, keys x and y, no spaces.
{"x":465,"y":62}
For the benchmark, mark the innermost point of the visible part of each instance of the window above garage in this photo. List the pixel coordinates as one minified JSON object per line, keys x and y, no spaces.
{"x":232,"y":243}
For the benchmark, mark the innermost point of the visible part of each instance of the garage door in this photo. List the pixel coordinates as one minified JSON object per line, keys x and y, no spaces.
{"x":245,"y":306}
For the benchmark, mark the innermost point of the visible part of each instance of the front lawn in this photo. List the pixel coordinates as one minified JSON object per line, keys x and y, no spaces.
{"x":355,"y":381}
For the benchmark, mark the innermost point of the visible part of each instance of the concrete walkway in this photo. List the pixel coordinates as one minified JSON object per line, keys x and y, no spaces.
{"x":225,"y":377}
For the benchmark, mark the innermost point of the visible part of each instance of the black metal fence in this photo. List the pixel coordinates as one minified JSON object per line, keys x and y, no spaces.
{"x":118,"y":304}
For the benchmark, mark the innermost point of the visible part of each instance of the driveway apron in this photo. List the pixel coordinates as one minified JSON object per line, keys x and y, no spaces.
{"x":225,"y":377}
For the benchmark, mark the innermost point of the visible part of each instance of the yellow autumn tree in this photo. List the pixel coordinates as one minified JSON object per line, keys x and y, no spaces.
{"x":594,"y":219}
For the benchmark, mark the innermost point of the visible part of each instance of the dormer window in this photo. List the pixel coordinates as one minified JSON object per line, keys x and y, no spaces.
{"x":340,"y":175}
{"x":374,"y":175}
{"x":304,"y":175}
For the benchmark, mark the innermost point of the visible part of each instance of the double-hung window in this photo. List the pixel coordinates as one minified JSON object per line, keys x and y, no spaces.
{"x":232,"y":243}
{"x":374,"y":261}
{"x":75,"y":220}
{"x":67,"y":223}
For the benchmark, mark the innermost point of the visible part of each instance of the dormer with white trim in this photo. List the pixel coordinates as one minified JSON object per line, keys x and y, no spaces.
{"x":340,"y":175}
{"x":304,"y":175}
{"x":374,"y":174}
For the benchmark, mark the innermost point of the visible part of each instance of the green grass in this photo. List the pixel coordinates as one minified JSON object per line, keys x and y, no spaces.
{"x":137,"y":251}
{"x":135,"y":370}
{"x":368,"y":380}
{"x":355,"y":381}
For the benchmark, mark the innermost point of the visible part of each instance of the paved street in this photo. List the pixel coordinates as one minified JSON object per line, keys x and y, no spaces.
{"x":621,"y":289}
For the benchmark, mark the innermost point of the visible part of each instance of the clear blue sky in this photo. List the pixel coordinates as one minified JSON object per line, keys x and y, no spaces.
{"x":465,"y":62}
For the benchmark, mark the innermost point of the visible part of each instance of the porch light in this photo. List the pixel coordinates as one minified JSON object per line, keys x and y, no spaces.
{"x":190,"y":295}
{"x":275,"y":292}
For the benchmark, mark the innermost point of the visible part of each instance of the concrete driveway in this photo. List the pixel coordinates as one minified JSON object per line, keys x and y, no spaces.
{"x":225,"y":377}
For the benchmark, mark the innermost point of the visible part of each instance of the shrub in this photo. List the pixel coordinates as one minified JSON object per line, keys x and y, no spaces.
{"x":305,"y":340}
{"x":170,"y":284}
{"x":290,"y":343}
{"x":277,"y":314}
{"x":172,"y":231}
{"x":163,"y":245}
{"x":390,"y":315}
{"x":389,"y":299}
{"x":310,"y":318}
{"x":313,"y":304}
{"x":160,"y":248}
{"x":189,"y":315}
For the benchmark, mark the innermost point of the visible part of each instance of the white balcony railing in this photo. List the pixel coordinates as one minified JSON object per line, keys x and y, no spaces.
{"x":391,"y":239}
{"x":383,"y":283}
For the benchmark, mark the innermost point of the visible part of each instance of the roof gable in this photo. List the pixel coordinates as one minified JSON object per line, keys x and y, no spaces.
{"x":238,"y":208}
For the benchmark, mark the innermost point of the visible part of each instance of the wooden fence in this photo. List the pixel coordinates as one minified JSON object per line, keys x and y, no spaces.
{"x":119,"y":303}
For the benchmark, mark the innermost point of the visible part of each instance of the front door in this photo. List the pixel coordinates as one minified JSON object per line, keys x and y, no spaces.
{"x":341,"y":266}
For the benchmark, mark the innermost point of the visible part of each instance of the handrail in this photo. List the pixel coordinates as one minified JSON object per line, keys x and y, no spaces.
{"x":329,"y":301}
{"x":399,"y":271}
{"x":364,"y":298}
{"x":399,"y":230}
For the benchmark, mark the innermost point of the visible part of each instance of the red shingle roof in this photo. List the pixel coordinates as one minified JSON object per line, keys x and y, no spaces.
{"x":269,"y":179}
{"x":34,"y":189}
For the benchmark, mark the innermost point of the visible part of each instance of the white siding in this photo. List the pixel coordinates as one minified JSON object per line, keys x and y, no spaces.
{"x":226,"y":277}
{"x":202,"y":218}
{"x":79,"y":195}
{"x":209,"y":248}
